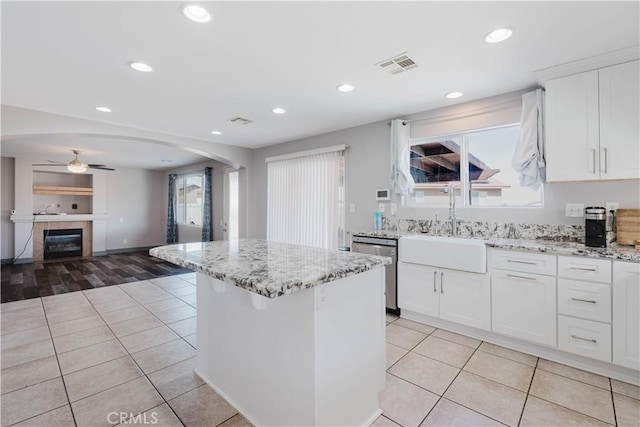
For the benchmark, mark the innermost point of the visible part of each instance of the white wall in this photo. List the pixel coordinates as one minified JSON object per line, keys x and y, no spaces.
{"x":368,"y":170}
{"x":6,"y":204}
{"x":136,"y":209}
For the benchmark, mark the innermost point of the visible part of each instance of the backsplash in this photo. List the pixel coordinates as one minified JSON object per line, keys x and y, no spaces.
{"x":488,"y":230}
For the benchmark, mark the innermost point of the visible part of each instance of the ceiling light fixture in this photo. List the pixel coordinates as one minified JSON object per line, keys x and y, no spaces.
{"x":345,"y":88}
{"x":216,"y":132}
{"x":454,"y":95}
{"x":76,"y":165}
{"x":140,"y":66}
{"x":279,"y":110}
{"x":499,"y":35}
{"x":196,"y":13}
{"x":103,"y":109}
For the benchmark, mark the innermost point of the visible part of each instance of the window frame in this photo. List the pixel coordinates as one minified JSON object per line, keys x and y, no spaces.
{"x":183,"y":207}
{"x":462,"y":187}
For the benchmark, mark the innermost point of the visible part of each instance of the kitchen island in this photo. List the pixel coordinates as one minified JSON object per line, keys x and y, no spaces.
{"x":288,"y":334}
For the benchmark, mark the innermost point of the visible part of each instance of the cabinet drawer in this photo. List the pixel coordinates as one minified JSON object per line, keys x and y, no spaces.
{"x":590,"y":301}
{"x":585,"y":337}
{"x":593,"y":270}
{"x":524,"y":262}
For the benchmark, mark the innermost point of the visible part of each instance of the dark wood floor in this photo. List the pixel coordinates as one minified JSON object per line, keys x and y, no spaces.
{"x":24,"y":281}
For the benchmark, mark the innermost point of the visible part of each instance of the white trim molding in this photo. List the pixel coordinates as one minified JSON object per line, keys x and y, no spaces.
{"x":58,"y":218}
{"x":323,"y":150}
{"x":627,"y":54}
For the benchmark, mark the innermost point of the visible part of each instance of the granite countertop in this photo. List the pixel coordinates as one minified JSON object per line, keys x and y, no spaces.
{"x":615,"y":252}
{"x":268,"y":268}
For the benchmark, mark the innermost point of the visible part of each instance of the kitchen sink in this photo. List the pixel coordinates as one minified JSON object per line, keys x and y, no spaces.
{"x":447,"y":252}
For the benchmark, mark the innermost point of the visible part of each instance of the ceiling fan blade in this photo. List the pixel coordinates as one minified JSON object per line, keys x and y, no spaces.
{"x":101,"y":167}
{"x":49,"y":164}
{"x":95,"y":165}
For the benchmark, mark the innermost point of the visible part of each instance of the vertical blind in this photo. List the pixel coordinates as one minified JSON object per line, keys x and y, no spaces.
{"x":305,"y":199}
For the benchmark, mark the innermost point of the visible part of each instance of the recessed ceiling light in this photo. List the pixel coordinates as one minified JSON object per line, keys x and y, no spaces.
{"x":216,"y":132}
{"x":345,"y":88}
{"x":454,"y":95}
{"x":279,"y":110}
{"x":104,"y":109}
{"x":139,"y":66}
{"x":166,"y":161}
{"x":196,"y":13}
{"x":499,"y":35}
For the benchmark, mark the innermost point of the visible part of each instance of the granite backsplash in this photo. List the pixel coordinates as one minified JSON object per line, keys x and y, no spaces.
{"x":488,"y":230}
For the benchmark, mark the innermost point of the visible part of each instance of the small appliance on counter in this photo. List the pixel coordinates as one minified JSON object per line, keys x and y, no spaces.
{"x":595,"y":226}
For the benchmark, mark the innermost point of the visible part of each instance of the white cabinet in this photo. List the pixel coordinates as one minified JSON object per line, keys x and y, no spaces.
{"x":418,"y":289}
{"x":619,"y":121}
{"x":524,"y":306}
{"x":585,"y":337}
{"x":592,"y":125}
{"x":626,"y":314}
{"x":523,"y":289}
{"x":465,"y":298}
{"x":457,"y":296}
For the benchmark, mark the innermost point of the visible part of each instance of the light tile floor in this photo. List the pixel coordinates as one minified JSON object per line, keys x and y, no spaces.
{"x":124,"y":355}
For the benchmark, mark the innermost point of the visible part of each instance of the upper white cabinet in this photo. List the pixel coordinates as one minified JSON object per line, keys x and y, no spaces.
{"x":592,"y":125}
{"x":626,"y":314}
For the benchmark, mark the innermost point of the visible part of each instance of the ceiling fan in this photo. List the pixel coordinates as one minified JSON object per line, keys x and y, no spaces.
{"x":75,"y":165}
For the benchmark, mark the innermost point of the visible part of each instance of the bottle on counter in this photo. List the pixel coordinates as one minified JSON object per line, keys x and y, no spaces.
{"x":377,"y":221}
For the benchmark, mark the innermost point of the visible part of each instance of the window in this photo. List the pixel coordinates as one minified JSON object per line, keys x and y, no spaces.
{"x":305,"y":198}
{"x":189,"y":191}
{"x":476,"y":163}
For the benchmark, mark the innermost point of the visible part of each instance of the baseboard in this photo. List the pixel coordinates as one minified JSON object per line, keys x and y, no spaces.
{"x":100,"y":253}
{"x":128,"y":250}
{"x":23,"y":261}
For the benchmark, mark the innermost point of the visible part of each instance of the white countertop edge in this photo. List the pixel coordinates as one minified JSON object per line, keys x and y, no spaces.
{"x":57,"y":218}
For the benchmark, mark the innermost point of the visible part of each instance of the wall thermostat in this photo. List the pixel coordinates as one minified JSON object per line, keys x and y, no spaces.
{"x":383,"y":194}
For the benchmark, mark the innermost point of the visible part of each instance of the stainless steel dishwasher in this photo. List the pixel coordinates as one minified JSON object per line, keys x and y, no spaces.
{"x":382,"y":247}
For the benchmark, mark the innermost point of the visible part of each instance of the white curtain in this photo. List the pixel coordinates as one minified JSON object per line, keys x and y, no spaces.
{"x":305,"y":204}
{"x":528,"y":158}
{"x":401,"y":180}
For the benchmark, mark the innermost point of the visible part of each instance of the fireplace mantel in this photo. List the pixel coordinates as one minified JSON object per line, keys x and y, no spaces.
{"x":58,"y":218}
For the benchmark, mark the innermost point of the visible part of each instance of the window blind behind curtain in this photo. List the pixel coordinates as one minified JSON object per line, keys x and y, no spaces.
{"x":304,"y":203}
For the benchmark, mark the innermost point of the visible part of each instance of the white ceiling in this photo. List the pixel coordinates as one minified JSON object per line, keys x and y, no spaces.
{"x":68,"y":57}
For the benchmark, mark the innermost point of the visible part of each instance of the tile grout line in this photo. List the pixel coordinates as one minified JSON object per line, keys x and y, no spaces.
{"x":55,"y":352}
{"x":526,"y":396}
{"x":613,"y":404}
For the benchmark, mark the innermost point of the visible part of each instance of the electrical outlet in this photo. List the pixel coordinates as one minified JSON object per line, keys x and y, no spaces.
{"x":611,"y":206}
{"x":380,"y":207}
{"x":352,"y":207}
{"x":575,"y":210}
{"x":393,"y":209}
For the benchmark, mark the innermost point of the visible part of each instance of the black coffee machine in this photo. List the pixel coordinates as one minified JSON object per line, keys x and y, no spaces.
{"x":595,"y":225}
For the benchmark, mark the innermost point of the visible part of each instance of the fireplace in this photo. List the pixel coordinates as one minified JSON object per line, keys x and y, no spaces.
{"x":62,"y":243}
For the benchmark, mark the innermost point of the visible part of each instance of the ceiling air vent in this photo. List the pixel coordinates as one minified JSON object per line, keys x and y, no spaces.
{"x":240,"y":120}
{"x":398,"y":63}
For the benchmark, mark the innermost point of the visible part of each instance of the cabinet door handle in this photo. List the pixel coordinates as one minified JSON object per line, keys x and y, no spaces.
{"x":435,"y":273}
{"x":593,"y":150}
{"x":583,"y":268}
{"x":605,"y":161}
{"x":590,"y":301}
{"x":575,"y":337}
{"x":522,"y":262}
{"x":442,"y":282}
{"x":521,"y":277}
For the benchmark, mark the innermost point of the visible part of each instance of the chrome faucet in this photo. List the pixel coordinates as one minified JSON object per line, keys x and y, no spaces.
{"x":453,"y":217}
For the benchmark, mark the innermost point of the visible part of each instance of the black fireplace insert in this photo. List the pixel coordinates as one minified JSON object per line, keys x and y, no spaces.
{"x":62,"y":243}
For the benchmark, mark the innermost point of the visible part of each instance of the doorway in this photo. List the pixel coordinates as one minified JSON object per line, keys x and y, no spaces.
{"x":231,"y":225}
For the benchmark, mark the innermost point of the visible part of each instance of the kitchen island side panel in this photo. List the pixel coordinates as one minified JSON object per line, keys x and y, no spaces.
{"x":313,"y":357}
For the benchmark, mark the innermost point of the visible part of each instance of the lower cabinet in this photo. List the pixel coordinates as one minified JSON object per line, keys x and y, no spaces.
{"x":585,"y":337}
{"x":626,"y":314}
{"x":524,"y":306}
{"x":452,"y":295}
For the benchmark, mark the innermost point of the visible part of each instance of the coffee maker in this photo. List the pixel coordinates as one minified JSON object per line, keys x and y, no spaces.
{"x":595,"y":226}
